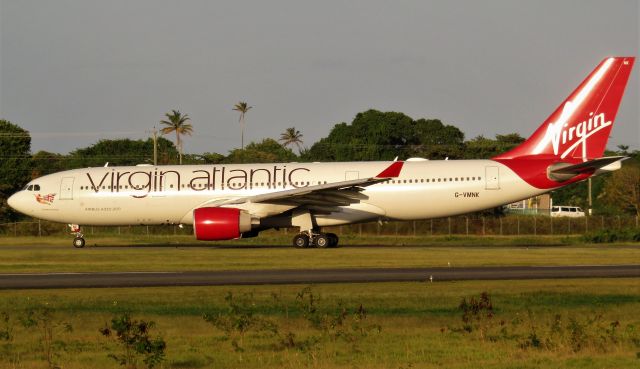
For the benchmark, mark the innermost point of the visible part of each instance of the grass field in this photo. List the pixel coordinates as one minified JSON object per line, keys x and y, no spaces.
{"x":54,"y":254}
{"x":590,"y":323}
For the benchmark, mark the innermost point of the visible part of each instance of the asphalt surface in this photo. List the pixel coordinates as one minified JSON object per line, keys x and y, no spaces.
{"x":294,"y":276}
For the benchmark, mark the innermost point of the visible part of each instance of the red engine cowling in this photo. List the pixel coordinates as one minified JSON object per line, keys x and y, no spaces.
{"x":213,"y":224}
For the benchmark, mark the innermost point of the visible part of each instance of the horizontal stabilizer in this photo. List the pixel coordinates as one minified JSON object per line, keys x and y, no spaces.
{"x":564,"y":171}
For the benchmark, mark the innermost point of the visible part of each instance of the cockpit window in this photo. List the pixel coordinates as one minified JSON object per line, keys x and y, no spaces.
{"x":30,"y":188}
{"x":36,"y":187}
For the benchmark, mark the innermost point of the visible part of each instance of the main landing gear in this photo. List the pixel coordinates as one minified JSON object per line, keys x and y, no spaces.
{"x":78,"y":241}
{"x":311,"y":239}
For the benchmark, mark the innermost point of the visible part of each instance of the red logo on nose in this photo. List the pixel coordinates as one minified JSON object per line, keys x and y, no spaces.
{"x":45,"y":199}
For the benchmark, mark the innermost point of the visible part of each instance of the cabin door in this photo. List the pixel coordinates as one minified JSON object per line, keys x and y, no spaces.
{"x":66,"y":188}
{"x":492,"y":178}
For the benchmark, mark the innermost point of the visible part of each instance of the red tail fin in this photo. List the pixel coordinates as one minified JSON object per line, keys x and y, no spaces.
{"x":579,"y":128}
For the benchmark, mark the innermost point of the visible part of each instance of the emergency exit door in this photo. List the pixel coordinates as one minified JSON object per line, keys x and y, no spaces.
{"x":351,"y":174}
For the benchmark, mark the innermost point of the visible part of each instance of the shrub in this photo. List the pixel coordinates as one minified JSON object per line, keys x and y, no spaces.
{"x":611,"y":236}
{"x":135,"y":338}
{"x":477,"y":314}
{"x":43,"y":318}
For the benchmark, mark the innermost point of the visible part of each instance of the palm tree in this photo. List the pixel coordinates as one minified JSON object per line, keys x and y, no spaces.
{"x":291,"y":136}
{"x":177,"y":122}
{"x":243,"y":108}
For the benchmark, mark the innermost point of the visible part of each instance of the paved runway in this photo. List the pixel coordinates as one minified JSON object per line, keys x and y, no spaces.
{"x":293,"y":276}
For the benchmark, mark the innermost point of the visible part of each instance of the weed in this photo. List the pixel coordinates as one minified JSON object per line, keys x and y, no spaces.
{"x":338,"y":323}
{"x":8,"y":350}
{"x":6,"y":331}
{"x":477,"y":314}
{"x":240,"y":319}
{"x":44,"y":319}
{"x":135,"y":338}
{"x":574,"y":334}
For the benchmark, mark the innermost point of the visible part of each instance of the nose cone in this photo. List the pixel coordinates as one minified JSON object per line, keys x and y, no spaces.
{"x":16,"y":201}
{"x":13,"y":201}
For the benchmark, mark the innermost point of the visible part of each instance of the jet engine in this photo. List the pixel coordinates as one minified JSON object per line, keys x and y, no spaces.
{"x":214,"y":224}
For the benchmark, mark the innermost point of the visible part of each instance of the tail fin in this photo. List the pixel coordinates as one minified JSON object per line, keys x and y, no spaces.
{"x":579,"y":128}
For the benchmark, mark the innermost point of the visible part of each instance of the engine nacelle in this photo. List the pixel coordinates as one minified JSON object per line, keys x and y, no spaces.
{"x":214,"y":224}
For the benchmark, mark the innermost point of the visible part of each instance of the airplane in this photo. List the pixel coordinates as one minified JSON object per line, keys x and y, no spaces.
{"x":225,"y":202}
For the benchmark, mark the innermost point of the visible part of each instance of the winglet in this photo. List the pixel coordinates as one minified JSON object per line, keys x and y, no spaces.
{"x":392,"y":170}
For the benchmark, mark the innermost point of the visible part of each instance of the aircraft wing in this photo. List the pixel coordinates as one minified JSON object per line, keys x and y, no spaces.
{"x":341,"y":193}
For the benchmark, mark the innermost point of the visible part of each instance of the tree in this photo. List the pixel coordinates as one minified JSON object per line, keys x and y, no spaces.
{"x":623,"y":149}
{"x":372,"y":135}
{"x":291,"y":136}
{"x":44,"y":162}
{"x":15,"y":148}
{"x":266,"y":151}
{"x":437,"y":140}
{"x":623,"y":189}
{"x":121,"y":152}
{"x":177,"y":122}
{"x":243,"y":108}
{"x":484,"y":148}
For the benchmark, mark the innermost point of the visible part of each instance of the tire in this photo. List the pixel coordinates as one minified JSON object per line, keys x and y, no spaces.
{"x":333,"y":239}
{"x":301,"y":241}
{"x":323,"y":241}
{"x":78,"y":242}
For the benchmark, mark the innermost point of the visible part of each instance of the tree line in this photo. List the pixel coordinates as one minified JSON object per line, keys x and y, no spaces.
{"x":371,"y":135}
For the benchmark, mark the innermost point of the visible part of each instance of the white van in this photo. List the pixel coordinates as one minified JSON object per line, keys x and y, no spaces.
{"x":566,"y":211}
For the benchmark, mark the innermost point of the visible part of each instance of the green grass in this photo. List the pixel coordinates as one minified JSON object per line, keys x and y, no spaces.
{"x":420,"y":325}
{"x":168,"y":254}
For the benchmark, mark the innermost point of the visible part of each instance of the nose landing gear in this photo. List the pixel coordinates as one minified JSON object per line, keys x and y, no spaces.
{"x":78,"y":241}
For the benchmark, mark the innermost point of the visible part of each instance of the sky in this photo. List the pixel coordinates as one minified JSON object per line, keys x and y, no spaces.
{"x":73,"y":72}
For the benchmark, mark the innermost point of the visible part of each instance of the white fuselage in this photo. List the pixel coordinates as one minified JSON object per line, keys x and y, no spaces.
{"x":169,"y":194}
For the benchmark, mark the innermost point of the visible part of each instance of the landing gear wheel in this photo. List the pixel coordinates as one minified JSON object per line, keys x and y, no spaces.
{"x":323,"y":240}
{"x":333,"y":239}
{"x":301,"y":241}
{"x":78,"y":242}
